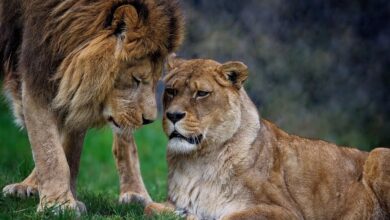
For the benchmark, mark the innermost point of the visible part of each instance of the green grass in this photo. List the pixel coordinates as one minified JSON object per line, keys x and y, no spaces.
{"x":98,"y":185}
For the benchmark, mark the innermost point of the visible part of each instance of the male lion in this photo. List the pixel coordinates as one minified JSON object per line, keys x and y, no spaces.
{"x":226,"y":163}
{"x":75,"y":64}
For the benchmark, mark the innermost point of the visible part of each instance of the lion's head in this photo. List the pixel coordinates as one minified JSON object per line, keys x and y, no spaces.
{"x":111,"y":75}
{"x":202,"y":102}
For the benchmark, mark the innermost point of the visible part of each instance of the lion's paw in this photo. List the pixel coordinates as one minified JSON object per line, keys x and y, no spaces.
{"x":20,"y":190}
{"x":56,"y":207}
{"x":132,"y":197}
{"x":81,"y":207}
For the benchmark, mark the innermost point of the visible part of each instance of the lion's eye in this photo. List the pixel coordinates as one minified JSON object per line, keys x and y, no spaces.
{"x":170,"y":92}
{"x":136,"y":80}
{"x":201,"y":94}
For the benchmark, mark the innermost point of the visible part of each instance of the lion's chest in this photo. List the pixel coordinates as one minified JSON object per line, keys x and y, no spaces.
{"x":203,"y":191}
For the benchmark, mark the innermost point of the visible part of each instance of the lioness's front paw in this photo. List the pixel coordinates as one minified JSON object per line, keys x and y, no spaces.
{"x":191,"y":217}
{"x":57,"y":207}
{"x":20,"y":190}
{"x":158,"y":208}
{"x":183,"y":213}
{"x":132,"y":197}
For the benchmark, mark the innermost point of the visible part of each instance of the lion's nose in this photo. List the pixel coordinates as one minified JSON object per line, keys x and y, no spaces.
{"x":146,"y":121}
{"x":176,"y":116}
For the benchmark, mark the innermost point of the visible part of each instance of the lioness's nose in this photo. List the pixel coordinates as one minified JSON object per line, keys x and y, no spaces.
{"x":176,"y":116}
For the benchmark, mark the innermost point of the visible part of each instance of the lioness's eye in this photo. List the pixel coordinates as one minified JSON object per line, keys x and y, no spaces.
{"x":170,"y":92}
{"x":136,"y":80}
{"x":202,"y":94}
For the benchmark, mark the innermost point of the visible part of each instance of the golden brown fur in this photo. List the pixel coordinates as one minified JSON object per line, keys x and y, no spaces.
{"x":70,"y":65}
{"x":245,"y":167}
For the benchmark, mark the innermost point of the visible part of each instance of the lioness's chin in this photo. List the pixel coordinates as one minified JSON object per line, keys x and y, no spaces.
{"x":180,"y":146}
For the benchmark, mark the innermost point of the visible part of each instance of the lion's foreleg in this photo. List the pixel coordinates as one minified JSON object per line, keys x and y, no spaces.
{"x":52,"y":170}
{"x":72,"y":142}
{"x":132,"y":188}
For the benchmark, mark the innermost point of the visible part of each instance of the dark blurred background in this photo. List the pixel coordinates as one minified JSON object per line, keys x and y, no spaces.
{"x":318,"y":68}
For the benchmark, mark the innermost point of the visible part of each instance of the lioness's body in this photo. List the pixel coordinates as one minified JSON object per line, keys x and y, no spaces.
{"x":247,"y":168}
{"x":296,"y":177}
{"x":75,"y":64}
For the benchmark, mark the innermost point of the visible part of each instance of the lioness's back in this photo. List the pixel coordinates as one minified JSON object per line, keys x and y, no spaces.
{"x":320,"y":174}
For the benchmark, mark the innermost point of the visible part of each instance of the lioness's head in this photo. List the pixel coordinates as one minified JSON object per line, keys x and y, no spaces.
{"x":110,"y":76}
{"x":201,"y":102}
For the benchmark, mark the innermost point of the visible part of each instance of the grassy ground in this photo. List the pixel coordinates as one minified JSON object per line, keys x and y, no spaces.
{"x":98,"y":185}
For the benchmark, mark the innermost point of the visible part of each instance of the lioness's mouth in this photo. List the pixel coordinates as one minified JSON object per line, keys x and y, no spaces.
{"x":191,"y":140}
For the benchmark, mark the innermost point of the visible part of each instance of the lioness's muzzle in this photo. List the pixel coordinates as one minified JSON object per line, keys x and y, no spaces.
{"x":191,"y":140}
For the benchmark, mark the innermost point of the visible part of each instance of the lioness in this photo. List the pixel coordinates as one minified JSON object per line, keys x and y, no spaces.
{"x":75,"y":64}
{"x":227,"y":163}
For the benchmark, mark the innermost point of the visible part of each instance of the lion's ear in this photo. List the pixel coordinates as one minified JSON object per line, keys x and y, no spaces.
{"x":125,"y":18}
{"x":234,"y":72}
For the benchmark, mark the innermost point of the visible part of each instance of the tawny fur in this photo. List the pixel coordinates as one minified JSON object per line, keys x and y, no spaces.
{"x":75,"y":64}
{"x":247,"y":168}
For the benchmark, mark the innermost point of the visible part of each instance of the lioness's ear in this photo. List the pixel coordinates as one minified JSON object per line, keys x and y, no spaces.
{"x":171,"y":59}
{"x":234,"y":72}
{"x":172,"y":62}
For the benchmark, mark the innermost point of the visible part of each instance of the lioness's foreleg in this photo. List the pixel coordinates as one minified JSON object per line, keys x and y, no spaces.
{"x":266,"y":212}
{"x":51,"y":167}
{"x":160,"y":208}
{"x":132,"y":187}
